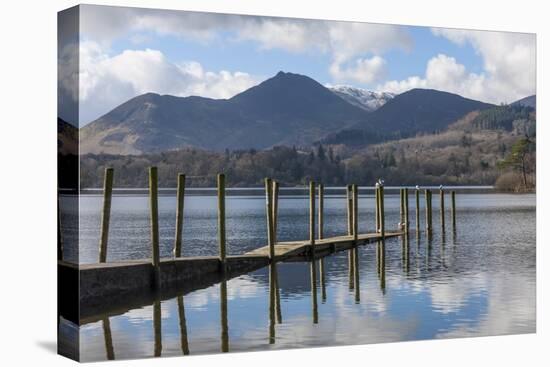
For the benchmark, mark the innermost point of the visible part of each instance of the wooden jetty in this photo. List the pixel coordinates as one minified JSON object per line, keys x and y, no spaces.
{"x":92,"y":291}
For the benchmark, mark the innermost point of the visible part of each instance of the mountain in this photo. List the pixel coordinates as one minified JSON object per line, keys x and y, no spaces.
{"x":411,"y":112}
{"x":362,"y":98}
{"x":287,"y":109}
{"x":530,"y":101}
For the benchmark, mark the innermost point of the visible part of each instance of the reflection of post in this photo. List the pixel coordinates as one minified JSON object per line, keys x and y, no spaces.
{"x":313,"y":276}
{"x":105,"y":214}
{"x":322,"y":276}
{"x":109,"y":350}
{"x":349,"y":203}
{"x":157,"y":320}
{"x":356,"y":273}
{"x":277,"y":296}
{"x":179,"y":214}
{"x":382,"y":265}
{"x":351,"y":265}
{"x":406,"y":252}
{"x":272,"y":301}
{"x":183,"y":327}
{"x":223,"y":311}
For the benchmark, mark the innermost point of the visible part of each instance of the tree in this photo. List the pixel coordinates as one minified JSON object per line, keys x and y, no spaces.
{"x":517,"y":159}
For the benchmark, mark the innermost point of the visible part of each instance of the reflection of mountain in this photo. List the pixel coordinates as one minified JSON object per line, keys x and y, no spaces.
{"x":288,"y":109}
{"x":67,"y":137}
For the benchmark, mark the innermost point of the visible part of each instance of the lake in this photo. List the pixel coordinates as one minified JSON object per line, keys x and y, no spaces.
{"x":478,"y":280}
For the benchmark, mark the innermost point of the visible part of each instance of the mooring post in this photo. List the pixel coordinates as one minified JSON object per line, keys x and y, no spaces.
{"x":453,"y":209}
{"x":275,"y":207}
{"x":401,"y":209}
{"x":355,"y":212}
{"x":427,"y":200}
{"x":417,"y":200}
{"x":269,"y":216}
{"x":221,"y":219}
{"x":321,"y":209}
{"x":312,"y":218}
{"x":406,"y":199}
{"x":382,"y":216}
{"x":377,"y":207}
{"x":349,"y":209}
{"x":179,"y":214}
{"x":105,"y":214}
{"x":153,"y":205}
{"x":442,"y":207}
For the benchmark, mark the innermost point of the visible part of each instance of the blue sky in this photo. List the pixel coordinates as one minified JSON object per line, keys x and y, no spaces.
{"x":125,"y":52}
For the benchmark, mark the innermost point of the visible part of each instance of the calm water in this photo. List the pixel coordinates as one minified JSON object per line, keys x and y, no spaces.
{"x":477,"y":281}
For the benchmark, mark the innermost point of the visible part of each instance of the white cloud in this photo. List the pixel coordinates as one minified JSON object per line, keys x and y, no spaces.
{"x":107,"y":81}
{"x":509,"y":67}
{"x":347,"y":43}
{"x":362,"y":71}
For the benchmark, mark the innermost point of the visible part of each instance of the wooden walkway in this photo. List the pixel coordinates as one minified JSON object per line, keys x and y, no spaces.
{"x":286,"y":250}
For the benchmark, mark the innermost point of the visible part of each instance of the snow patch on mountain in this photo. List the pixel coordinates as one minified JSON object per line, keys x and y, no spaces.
{"x":362,"y":98}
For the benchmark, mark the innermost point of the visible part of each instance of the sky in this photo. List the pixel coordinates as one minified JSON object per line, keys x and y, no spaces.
{"x":125,"y":52}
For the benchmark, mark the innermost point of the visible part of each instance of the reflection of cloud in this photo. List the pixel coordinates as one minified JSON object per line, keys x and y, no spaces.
{"x":508,"y":312}
{"x":453,"y":294}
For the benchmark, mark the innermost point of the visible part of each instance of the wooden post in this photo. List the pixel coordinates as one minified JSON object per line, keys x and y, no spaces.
{"x":153,"y":205}
{"x":312,"y":217}
{"x":355,"y":213}
{"x":179,"y":214}
{"x":321,"y":209}
{"x":427,"y":209}
{"x":349,"y":208}
{"x":377,"y":208}
{"x":406,"y":199}
{"x":221,"y":218}
{"x":275,"y":207}
{"x":269,"y":216}
{"x":442,"y":207}
{"x":105,"y":214}
{"x":417,"y":199}
{"x":401,"y":209}
{"x":382,"y":216}
{"x":453,"y":209}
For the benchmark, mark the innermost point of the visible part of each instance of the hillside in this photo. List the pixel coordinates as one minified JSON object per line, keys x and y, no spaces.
{"x":415,"y":111}
{"x":288,"y":109}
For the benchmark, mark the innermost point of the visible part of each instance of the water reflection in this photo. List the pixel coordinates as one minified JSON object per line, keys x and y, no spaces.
{"x":468,"y":283}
